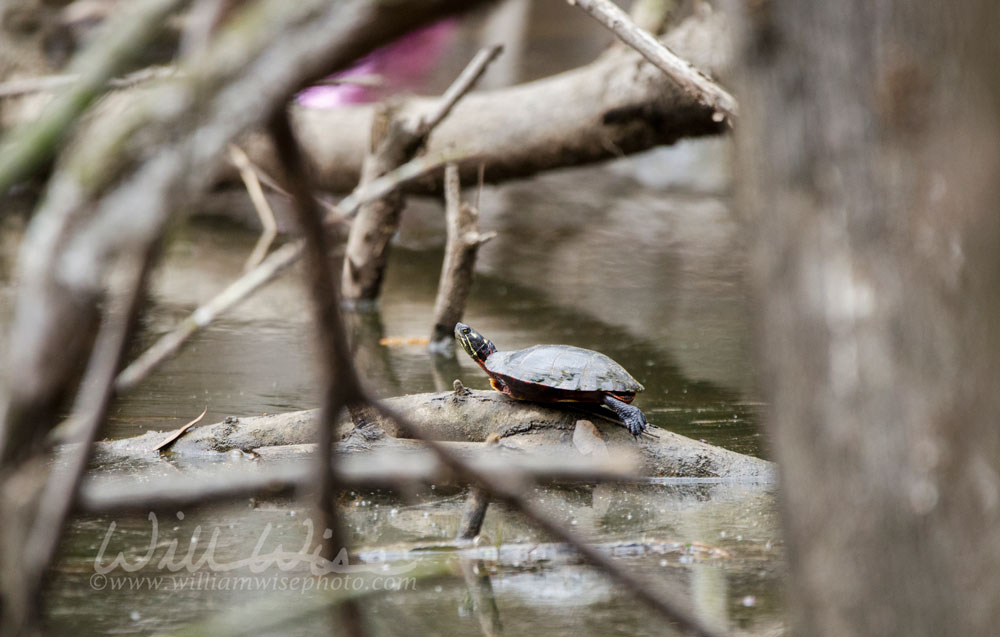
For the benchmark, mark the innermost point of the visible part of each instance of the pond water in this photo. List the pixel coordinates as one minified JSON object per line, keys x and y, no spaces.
{"x":662,"y":294}
{"x":589,"y":257}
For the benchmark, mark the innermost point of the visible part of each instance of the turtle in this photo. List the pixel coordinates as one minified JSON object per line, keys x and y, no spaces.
{"x":557,"y":373}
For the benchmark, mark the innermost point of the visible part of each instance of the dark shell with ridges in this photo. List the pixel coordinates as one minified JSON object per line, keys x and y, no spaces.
{"x":565,"y":368}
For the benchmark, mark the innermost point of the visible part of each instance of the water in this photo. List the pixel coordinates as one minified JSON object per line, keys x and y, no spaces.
{"x":665,"y":300}
{"x":674,"y":315}
{"x":584,"y":257}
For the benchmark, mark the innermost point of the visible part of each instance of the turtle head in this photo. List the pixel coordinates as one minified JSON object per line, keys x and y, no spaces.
{"x":475,"y":344}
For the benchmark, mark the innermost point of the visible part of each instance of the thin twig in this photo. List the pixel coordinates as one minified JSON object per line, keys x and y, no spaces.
{"x":390,"y":181}
{"x":339,"y":381}
{"x":52,"y":83}
{"x":90,"y":411}
{"x":462,"y":84}
{"x":457,"y":270}
{"x":333,"y":212}
{"x":264,"y":212}
{"x":680,"y":70}
{"x":480,"y":180}
{"x":275,"y":263}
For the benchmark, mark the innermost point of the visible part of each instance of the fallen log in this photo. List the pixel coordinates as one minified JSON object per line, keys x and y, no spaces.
{"x":614,"y":106}
{"x":465,"y":417}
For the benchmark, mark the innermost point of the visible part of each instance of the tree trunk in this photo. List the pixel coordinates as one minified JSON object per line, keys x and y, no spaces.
{"x":869,"y":162}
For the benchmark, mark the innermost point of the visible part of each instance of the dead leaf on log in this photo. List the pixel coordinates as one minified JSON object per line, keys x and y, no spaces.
{"x":172,"y":438}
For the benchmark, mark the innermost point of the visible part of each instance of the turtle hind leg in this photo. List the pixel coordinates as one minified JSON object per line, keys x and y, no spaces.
{"x":634,"y":419}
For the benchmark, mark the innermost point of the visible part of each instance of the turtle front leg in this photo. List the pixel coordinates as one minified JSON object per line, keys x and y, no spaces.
{"x":632,"y":416}
{"x":499,"y":385}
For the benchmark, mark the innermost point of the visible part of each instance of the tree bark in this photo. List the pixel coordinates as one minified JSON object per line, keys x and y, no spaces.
{"x":869,"y":162}
{"x":394,"y":141}
{"x":367,"y":252}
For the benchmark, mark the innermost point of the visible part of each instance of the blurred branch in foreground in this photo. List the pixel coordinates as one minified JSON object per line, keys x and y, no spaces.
{"x":109,"y":199}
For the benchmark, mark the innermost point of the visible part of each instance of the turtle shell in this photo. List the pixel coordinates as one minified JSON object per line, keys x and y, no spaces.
{"x":564,"y":368}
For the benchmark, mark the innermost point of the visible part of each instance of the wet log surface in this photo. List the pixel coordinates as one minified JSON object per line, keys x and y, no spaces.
{"x":466,"y":418}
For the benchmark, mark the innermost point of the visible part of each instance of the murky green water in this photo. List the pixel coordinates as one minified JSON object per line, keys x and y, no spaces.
{"x":585,"y":257}
{"x":556,"y":596}
{"x":667,"y":304}
{"x":677,"y":323}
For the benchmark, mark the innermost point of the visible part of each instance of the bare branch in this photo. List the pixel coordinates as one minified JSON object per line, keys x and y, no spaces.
{"x":681,"y":71}
{"x":512,"y":491}
{"x":610,"y":107}
{"x":413,"y":169}
{"x":464,"y":239}
{"x":463,"y":84}
{"x":249,"y":176}
{"x":340,"y":385}
{"x":394,"y":140}
{"x":52,"y":83}
{"x":379,"y":469}
{"x":110,"y":196}
{"x":90,"y":411}
{"x":272,"y":266}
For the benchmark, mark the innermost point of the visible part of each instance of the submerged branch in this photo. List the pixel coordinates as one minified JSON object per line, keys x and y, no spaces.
{"x":461,"y":248}
{"x":512,"y":492}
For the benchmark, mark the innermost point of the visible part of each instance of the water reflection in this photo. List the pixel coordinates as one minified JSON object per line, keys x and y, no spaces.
{"x":677,"y":323}
{"x":260,"y":358}
{"x":718,"y":552}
